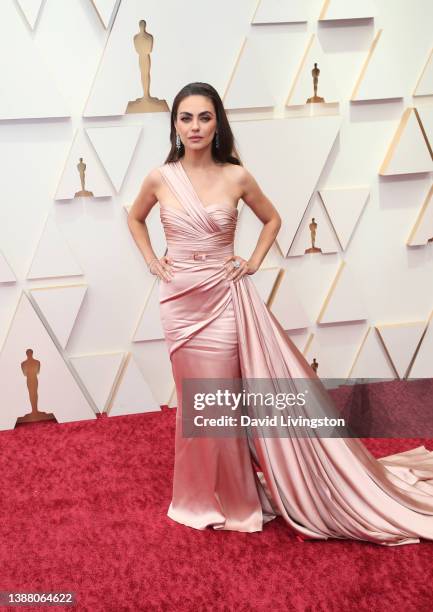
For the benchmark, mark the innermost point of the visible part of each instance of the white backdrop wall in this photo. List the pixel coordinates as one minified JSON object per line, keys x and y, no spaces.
{"x":66,"y":80}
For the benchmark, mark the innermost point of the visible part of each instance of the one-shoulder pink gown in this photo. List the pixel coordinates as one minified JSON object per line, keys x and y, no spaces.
{"x":216,"y":328}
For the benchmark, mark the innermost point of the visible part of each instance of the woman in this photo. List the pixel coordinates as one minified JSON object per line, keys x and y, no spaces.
{"x":217,"y":326}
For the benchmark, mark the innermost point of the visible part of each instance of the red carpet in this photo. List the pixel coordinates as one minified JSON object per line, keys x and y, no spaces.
{"x":83,"y":509}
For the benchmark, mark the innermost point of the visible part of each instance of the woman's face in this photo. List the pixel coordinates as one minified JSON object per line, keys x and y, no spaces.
{"x":196,"y":122}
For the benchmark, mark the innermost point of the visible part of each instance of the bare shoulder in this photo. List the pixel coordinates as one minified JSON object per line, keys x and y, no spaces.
{"x":235,"y":172}
{"x":244,"y":180}
{"x":242,"y":174}
{"x":155,"y":177}
{"x":153,"y":181}
{"x":238,"y":176}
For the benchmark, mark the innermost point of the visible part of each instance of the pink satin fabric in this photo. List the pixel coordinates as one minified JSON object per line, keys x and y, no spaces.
{"x":215,"y":328}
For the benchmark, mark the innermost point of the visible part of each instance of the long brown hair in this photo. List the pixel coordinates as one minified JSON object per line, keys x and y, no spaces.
{"x":226,"y":151}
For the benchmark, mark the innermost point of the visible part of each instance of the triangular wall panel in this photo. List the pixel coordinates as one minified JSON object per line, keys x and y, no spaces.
{"x":422,"y":231}
{"x":98,"y":373}
{"x":302,"y":88}
{"x":408,"y":152}
{"x":425,"y":117}
{"x":344,"y":301}
{"x":325,"y":236}
{"x":106,"y":10}
{"x":133,"y":394}
{"x":96,"y":180}
{"x":249,"y":86}
{"x":150,"y":326}
{"x":424,"y":87}
{"x":115,"y":147}
{"x":422,"y":366}
{"x":287,"y":307}
{"x":280,"y":11}
{"x":287,"y":180}
{"x":344,"y":207}
{"x":7,"y":275}
{"x":60,"y":307}
{"x":57,"y":389}
{"x":347,"y":9}
{"x":334,"y":347}
{"x":28,"y":90}
{"x":53,"y":257}
{"x":385,"y":72}
{"x":31,"y":10}
{"x":301,"y":338}
{"x":401,"y":341}
{"x":264,"y":281}
{"x":372,"y":361}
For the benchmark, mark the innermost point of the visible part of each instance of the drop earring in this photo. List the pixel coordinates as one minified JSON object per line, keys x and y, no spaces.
{"x":217,"y":142}
{"x":178,"y":143}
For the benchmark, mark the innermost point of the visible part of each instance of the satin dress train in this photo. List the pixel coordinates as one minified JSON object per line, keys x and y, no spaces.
{"x":215,"y":328}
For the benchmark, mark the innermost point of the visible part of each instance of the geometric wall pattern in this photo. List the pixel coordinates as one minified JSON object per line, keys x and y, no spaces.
{"x":117,"y":80}
{"x":372,"y":82}
{"x":95,"y":177}
{"x":60,"y":307}
{"x":264,"y":281}
{"x":34,"y":94}
{"x":401,"y":341}
{"x":347,"y":9}
{"x":247,"y":92}
{"x":31,"y":10}
{"x":6,"y":273}
{"x":287,"y":180}
{"x":372,"y":359}
{"x":99,"y":374}
{"x":302,"y":87}
{"x":275,"y":11}
{"x":341,"y":163}
{"x":344,"y":207}
{"x":424,"y":87}
{"x":335,"y":347}
{"x":257,"y":81}
{"x":106,"y":10}
{"x":287,"y":307}
{"x":409,"y":150}
{"x":422,"y":231}
{"x":132,"y":394}
{"x":422,"y":366}
{"x":115,"y":147}
{"x":57,"y":389}
{"x":344,"y":301}
{"x":425,"y":117}
{"x":53,"y":257}
{"x":325,"y":237}
{"x":149,"y":326}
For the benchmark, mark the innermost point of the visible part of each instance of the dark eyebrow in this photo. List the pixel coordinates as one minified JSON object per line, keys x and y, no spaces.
{"x":190,"y":114}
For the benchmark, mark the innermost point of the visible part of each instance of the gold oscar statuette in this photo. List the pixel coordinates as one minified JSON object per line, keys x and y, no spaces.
{"x":81,"y":167}
{"x":315,"y":364}
{"x":30,"y":368}
{"x":143,"y":43}
{"x":313,"y":229}
{"x":315,"y":74}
